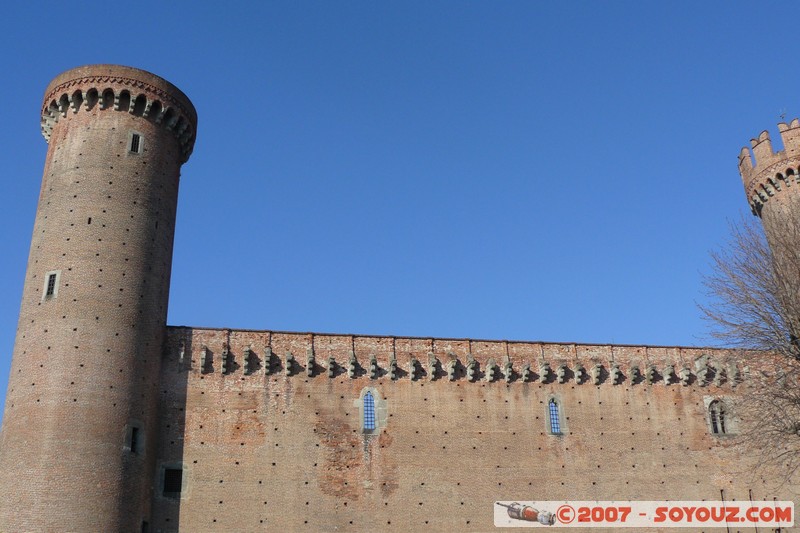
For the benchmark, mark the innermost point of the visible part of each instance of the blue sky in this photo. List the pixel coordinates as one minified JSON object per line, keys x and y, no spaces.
{"x":511,"y":170}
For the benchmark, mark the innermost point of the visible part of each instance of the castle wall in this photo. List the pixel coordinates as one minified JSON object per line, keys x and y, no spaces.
{"x":114,"y":422}
{"x":272,"y":451}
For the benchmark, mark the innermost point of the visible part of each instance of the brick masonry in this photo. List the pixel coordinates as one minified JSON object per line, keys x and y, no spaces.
{"x":271,"y":450}
{"x":86,"y":359}
{"x":106,"y":403}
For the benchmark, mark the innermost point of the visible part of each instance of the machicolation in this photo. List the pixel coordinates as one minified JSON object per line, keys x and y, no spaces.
{"x":144,"y":98}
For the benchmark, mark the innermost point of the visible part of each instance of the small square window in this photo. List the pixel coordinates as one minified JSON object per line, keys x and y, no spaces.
{"x":173,"y":481}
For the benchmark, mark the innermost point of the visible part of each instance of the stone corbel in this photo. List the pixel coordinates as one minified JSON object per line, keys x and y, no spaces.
{"x":373,"y":366}
{"x":472,"y":367}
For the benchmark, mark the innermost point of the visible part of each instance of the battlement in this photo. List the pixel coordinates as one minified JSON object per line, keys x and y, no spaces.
{"x":119,"y":88}
{"x":771,"y":171}
{"x":247,"y":354}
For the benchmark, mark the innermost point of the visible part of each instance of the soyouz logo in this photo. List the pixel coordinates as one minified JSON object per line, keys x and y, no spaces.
{"x":641,"y":514}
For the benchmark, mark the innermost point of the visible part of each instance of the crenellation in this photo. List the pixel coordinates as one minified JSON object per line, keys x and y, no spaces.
{"x":790,"y":135}
{"x":769,"y":173}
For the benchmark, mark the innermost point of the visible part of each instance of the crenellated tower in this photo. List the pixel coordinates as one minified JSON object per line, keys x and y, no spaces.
{"x":77,"y":446}
{"x":772,"y":186}
{"x":772,"y":183}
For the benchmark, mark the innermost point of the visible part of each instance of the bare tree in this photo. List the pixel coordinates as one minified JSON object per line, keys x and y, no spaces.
{"x":755,"y":300}
{"x":754,"y":291}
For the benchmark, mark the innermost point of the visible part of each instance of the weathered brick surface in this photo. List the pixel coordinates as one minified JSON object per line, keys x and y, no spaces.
{"x":86,"y":362}
{"x":286,"y":452}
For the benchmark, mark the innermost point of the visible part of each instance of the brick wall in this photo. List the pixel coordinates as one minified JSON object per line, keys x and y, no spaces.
{"x":287,"y":452}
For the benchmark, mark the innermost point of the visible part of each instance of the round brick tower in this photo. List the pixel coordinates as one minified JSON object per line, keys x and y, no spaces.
{"x":78,"y":446}
{"x":772,"y":184}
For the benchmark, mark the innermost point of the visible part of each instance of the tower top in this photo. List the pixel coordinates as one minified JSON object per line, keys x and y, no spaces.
{"x":771,"y":170}
{"x":121,"y":88}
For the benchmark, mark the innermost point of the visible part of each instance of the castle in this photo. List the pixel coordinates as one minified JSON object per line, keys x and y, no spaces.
{"x":115,"y":421}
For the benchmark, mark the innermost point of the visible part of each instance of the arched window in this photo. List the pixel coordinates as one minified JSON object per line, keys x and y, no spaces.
{"x":369,"y":411}
{"x":716,"y":413}
{"x":555,"y":422}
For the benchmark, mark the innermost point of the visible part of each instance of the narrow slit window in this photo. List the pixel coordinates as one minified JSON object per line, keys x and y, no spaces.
{"x":134,"y":440}
{"x":51,"y":285}
{"x":369,"y":411}
{"x":136,"y":143}
{"x":173,"y":480}
{"x":716,"y":411}
{"x":555,"y":422}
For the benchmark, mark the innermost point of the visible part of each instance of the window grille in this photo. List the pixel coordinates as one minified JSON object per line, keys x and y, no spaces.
{"x":555,"y":423}
{"x":51,"y":285}
{"x":136,"y":143}
{"x":369,"y":411}
{"x":716,"y":411}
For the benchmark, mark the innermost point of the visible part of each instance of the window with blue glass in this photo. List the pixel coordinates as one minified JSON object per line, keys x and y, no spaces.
{"x":555,"y":422}
{"x":369,"y":411}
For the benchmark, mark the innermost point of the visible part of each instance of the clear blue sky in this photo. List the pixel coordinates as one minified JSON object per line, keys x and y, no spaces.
{"x":512,"y":170}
